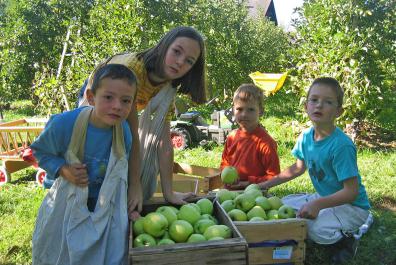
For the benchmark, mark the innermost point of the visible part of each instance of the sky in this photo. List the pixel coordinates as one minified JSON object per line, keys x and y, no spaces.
{"x":284,"y":12}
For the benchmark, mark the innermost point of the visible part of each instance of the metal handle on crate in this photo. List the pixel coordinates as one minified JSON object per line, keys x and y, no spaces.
{"x":273,"y":243}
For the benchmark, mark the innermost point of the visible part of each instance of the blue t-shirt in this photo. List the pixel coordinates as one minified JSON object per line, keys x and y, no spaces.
{"x":330,"y":161}
{"x":51,"y":146}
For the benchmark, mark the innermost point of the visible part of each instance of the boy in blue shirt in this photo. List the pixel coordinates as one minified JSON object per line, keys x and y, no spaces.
{"x":340,"y":205}
{"x":85,"y":152}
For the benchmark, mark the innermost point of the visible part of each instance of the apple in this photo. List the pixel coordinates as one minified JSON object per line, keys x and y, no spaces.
{"x":144,"y":240}
{"x":237,"y":215}
{"x":228,"y":205}
{"x":252,"y":186}
{"x":216,"y":238}
{"x":169,"y":214}
{"x":196,"y":238}
{"x":256,"y":219}
{"x":138,"y":226}
{"x":196,"y":207}
{"x":166,"y":235}
{"x":155,"y":224}
{"x":256,"y":211}
{"x":245,"y":202}
{"x":272,"y":214}
{"x":205,"y":205}
{"x":210,"y":217}
{"x":286,"y":211}
{"x":173,"y":208}
{"x":165,"y":241}
{"x":189,"y":213}
{"x":255,"y":193}
{"x":217,"y":230}
{"x":180,"y":230}
{"x":275,"y":202}
{"x":224,"y":195}
{"x":201,"y":225}
{"x":229,"y":175}
{"x":263,"y":203}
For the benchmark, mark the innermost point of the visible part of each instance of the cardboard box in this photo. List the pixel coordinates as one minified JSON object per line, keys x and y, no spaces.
{"x":275,"y":241}
{"x":190,"y":178}
{"x":231,"y":251}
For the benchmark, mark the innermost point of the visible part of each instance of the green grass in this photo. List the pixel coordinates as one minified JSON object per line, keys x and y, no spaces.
{"x":20,"y":199}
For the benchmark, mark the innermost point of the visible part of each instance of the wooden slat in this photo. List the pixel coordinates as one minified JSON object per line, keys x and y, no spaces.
{"x":13,"y":123}
{"x":264,"y":255}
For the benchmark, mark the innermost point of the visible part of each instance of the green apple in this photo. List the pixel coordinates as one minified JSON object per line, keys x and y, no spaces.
{"x":229,"y":175}
{"x":256,"y":211}
{"x":201,"y":225}
{"x":217,"y":230}
{"x":144,"y":240}
{"x":166,"y":235}
{"x":138,"y":226}
{"x":180,"y":230}
{"x":224,"y":195}
{"x":205,"y":205}
{"x":173,"y":208}
{"x":196,"y":238}
{"x":252,"y":186}
{"x":169,"y":214}
{"x":189,"y":213}
{"x":155,"y":224}
{"x":255,"y":193}
{"x":210,"y":217}
{"x":272,"y":214}
{"x":245,"y":202}
{"x":286,"y":211}
{"x":256,"y":219}
{"x":275,"y":202}
{"x":216,"y":238}
{"x":263,"y":203}
{"x":166,"y":241}
{"x":237,"y":215}
{"x":228,"y":205}
{"x":196,"y":207}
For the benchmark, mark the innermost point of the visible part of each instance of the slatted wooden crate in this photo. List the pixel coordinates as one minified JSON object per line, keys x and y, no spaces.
{"x":232,"y":251}
{"x":275,"y":241}
{"x":197,"y":179}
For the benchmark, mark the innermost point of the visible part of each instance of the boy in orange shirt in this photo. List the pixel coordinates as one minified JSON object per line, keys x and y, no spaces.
{"x":250,"y":149}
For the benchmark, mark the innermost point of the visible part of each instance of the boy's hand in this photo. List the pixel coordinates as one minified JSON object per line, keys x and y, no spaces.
{"x":309,"y":211}
{"x":238,"y":185}
{"x":75,"y":173}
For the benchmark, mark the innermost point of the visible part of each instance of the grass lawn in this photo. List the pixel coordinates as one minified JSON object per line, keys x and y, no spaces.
{"x":20,"y":199}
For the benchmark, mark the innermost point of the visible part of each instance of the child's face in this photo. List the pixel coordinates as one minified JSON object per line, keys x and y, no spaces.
{"x":180,"y":57}
{"x":322,"y":106}
{"x":247,"y":114}
{"x":112,"y":102}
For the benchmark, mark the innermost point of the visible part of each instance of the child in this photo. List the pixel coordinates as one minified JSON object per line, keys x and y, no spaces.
{"x":340,"y":205}
{"x":177,"y":61}
{"x":250,"y":149}
{"x":83,"y":219}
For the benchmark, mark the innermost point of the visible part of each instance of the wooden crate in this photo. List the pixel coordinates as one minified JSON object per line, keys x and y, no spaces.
{"x":275,"y":241}
{"x":231,"y":251}
{"x":197,"y":179}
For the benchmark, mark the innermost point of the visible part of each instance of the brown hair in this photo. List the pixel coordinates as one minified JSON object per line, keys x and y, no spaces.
{"x":193,"y":82}
{"x":331,"y":83}
{"x":248,"y":92}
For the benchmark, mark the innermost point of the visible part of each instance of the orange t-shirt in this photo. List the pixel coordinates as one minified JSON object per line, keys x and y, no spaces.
{"x":145,"y":90}
{"x":253,"y":154}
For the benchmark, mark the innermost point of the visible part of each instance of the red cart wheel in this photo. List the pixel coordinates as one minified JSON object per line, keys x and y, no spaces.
{"x":40,"y":175}
{"x":4,"y":176}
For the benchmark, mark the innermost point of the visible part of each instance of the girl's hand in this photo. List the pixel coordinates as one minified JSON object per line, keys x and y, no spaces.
{"x":134,"y":215}
{"x":309,"y":211}
{"x":178,"y":198}
{"x":135,"y":198}
{"x":75,"y":173}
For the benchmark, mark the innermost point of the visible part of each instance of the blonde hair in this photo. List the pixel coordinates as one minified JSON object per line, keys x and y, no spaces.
{"x":250,"y":92}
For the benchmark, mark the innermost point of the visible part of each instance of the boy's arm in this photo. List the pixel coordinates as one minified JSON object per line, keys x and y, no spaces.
{"x":295,"y":170}
{"x":346,"y":195}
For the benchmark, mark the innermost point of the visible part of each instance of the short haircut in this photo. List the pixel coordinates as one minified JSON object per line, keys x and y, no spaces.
{"x":194,"y":81}
{"x":250,"y":92}
{"x":331,"y":83}
{"x":113,"y":71}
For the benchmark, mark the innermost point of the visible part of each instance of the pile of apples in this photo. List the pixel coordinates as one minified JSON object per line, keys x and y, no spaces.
{"x":193,"y":222}
{"x":251,"y":205}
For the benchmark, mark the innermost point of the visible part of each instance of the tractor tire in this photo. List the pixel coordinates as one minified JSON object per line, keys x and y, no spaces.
{"x":40,"y":176}
{"x":180,"y":137}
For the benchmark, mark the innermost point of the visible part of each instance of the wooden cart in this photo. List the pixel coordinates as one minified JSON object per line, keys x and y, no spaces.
{"x":15,"y":139}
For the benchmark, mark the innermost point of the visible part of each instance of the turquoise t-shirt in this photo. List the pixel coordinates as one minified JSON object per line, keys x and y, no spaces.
{"x":330,"y":161}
